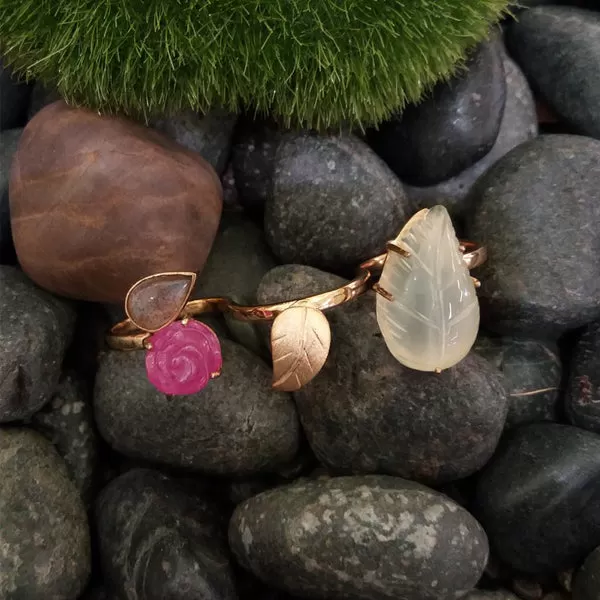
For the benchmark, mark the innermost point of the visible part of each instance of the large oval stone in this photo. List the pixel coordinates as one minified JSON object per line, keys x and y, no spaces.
{"x":432,"y":317}
{"x":98,"y":202}
{"x":360,"y":538}
{"x":367,"y":413}
{"x":162,"y":538}
{"x":539,"y":498}
{"x":44,"y":537}
{"x":540,"y":279}
{"x":236,"y":426}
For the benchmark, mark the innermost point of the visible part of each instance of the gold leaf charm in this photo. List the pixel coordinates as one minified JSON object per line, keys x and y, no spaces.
{"x":300,"y":340}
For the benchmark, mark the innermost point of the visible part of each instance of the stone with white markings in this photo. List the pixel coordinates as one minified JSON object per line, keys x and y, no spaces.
{"x":360,"y":538}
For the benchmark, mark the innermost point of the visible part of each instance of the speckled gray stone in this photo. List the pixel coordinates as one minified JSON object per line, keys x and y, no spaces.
{"x":532,"y":374}
{"x":14,"y":99}
{"x":538,"y":212}
{"x":252,"y":159}
{"x":451,"y":129}
{"x":237,"y":262}
{"x":539,"y":498}
{"x":558,"y":48}
{"x":586,"y":583}
{"x":35,"y":329}
{"x":582,"y":398}
{"x":9,"y":141}
{"x":44,"y":538}
{"x":366,"y":413}
{"x":209,"y":135}
{"x":68,"y":422}
{"x":236,"y":426}
{"x":519,"y":124}
{"x":488,"y":595}
{"x":334,"y":202}
{"x":360,"y":538}
{"x":159,"y":539}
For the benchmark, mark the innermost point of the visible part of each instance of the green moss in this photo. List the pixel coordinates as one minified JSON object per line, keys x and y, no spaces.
{"x":311,"y":62}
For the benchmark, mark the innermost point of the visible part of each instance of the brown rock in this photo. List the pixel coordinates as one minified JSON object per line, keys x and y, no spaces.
{"x":98,"y":202}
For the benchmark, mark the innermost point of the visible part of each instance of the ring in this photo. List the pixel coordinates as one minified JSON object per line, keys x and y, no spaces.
{"x":426,"y":303}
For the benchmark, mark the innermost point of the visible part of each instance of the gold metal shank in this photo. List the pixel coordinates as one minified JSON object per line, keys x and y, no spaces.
{"x":126,"y":336}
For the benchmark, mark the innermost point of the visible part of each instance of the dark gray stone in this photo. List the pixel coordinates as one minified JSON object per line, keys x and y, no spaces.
{"x":237,"y":262}
{"x":366,"y":413}
{"x":582,"y":400}
{"x":360,"y":538}
{"x":539,"y":498}
{"x":14,"y":99}
{"x":538,"y":212}
{"x":334,"y":202}
{"x":35,"y":329}
{"x":451,"y":129}
{"x":9,"y":140}
{"x":532,"y":375}
{"x":44,"y":538}
{"x":209,"y":135}
{"x":558,"y":48}
{"x":586,"y":584}
{"x":41,"y":96}
{"x":98,"y":593}
{"x":488,"y":595}
{"x":159,"y":539}
{"x":252,"y":159}
{"x":237,"y":425}
{"x":519,"y":124}
{"x":68,"y":422}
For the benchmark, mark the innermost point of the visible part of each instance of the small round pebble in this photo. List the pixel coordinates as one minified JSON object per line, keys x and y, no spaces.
{"x":582,"y":401}
{"x":34,"y":333}
{"x":209,"y":135}
{"x":44,"y":538}
{"x":159,"y":539}
{"x":519,"y":124}
{"x":532,"y":375}
{"x":451,"y":129}
{"x":236,"y":426}
{"x":537,"y":211}
{"x":366,"y":413}
{"x":586,"y":584}
{"x":68,"y":422}
{"x":357,"y":538}
{"x":558,"y":48}
{"x":538,"y":498}
{"x":334,"y":202}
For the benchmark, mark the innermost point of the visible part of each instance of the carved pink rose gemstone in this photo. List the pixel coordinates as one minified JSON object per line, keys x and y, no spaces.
{"x":182,"y":359}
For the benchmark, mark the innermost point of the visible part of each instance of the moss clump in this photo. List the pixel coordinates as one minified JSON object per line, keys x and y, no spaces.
{"x":312,"y":62}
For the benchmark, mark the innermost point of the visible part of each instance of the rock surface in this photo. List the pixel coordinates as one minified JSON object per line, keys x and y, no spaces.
{"x":558,"y":48}
{"x":582,"y":401}
{"x":209,"y":135}
{"x":539,"y":277}
{"x":328,"y":197}
{"x":9,"y":140}
{"x":35,"y":329}
{"x":519,"y":124}
{"x":14,"y":99}
{"x":366,"y":413}
{"x":405,"y":539}
{"x":128,"y":203}
{"x":538,"y":498}
{"x":236,"y":426}
{"x":158,"y":539}
{"x":68,"y":422}
{"x":532,"y":374}
{"x":586,"y":584}
{"x":451,"y":129}
{"x":44,"y":539}
{"x":487,"y":595}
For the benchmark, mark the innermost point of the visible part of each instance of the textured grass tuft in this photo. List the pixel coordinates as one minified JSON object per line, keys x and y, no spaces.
{"x":315,"y":63}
